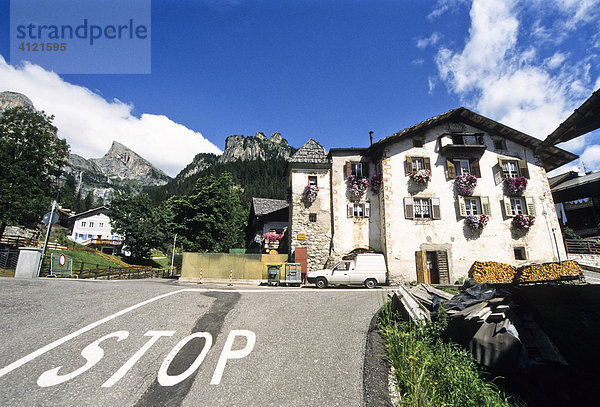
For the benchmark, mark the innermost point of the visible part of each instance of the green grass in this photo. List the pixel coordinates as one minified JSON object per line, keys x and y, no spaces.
{"x":88,"y":258}
{"x":432,"y":372}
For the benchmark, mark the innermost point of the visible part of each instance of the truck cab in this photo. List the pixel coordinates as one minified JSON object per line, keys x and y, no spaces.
{"x":368,"y":269}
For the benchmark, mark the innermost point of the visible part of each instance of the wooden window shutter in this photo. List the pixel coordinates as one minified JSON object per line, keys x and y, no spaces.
{"x":451,"y":169}
{"x":530,"y":203}
{"x":485,"y":205}
{"x":350,"y":210}
{"x":507,"y":208}
{"x":501,"y":170}
{"x":474,"y":168}
{"x":348,"y":169}
{"x":427,"y":163}
{"x":523,"y":169}
{"x":408,"y":165}
{"x":365,"y":169}
{"x":435,"y":208}
{"x":367,"y":212}
{"x":409,"y":212}
{"x":462,"y":208}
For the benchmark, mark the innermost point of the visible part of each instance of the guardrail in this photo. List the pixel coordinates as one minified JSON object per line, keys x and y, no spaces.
{"x":582,"y":246}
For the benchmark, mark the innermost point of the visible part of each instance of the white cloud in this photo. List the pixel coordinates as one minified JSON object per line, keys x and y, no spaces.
{"x":90,"y":123}
{"x":591,"y":157}
{"x":433,"y":39}
{"x":508,"y":81}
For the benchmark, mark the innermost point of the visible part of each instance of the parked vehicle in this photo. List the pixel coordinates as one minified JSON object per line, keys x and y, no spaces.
{"x":366,"y":269}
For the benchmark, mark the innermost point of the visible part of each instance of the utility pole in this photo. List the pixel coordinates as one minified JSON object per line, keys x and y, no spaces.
{"x":173,"y":255}
{"x":48,"y":233}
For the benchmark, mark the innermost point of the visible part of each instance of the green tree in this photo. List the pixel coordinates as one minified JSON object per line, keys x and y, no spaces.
{"x":211,"y":218}
{"x":31,"y":160}
{"x":142,"y":226}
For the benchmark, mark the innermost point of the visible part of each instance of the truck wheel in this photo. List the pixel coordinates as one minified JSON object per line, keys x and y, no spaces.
{"x":370,"y":283}
{"x":321,"y":282}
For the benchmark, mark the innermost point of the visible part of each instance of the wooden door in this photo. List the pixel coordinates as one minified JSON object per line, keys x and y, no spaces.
{"x":421,"y":262}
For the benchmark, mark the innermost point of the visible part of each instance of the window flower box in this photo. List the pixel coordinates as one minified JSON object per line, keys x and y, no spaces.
{"x":515,"y":185}
{"x":358,"y":186}
{"x":523,"y":221}
{"x":310,"y":193}
{"x":376,"y":183}
{"x":476,"y":222}
{"x":465,"y":184}
{"x":421,"y":177}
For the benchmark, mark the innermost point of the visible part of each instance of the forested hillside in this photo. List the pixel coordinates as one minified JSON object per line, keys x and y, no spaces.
{"x":256,"y":178}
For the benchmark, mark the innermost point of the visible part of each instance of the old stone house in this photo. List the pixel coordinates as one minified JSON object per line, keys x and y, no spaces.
{"x":400,"y":196}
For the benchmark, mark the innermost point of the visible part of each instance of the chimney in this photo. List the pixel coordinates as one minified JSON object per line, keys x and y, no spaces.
{"x":371,"y":137}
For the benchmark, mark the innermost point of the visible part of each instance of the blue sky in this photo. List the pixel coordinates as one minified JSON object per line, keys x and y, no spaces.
{"x":331,"y":70}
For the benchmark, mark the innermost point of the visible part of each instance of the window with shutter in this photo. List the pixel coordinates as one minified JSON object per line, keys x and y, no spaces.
{"x":422,"y":208}
{"x":510,"y":168}
{"x":530,"y":205}
{"x":356,"y":169}
{"x":517,"y":206}
{"x":474,"y":168}
{"x":507,"y":208}
{"x":451,"y":170}
{"x":462,"y":208}
{"x":426,"y":163}
{"x":523,"y":169}
{"x":408,"y":208}
{"x":367,"y":210}
{"x":365,"y":170}
{"x":485,"y":205}
{"x":435,"y":208}
{"x":474,"y":205}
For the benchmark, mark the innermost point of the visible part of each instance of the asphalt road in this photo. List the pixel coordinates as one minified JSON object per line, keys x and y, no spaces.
{"x":155,"y":342}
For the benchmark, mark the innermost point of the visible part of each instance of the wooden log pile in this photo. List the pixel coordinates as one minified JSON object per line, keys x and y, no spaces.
{"x":494,"y":272}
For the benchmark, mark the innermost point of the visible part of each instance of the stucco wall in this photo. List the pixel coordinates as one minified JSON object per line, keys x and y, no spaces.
{"x":496,"y":242}
{"x":318,"y":234}
{"x":105,"y":231}
{"x":217,"y":265}
{"x":352,"y":233}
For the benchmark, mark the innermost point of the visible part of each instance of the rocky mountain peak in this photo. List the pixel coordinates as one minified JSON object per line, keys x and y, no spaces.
{"x":239,"y":147}
{"x":123,"y":163}
{"x":9,"y":99}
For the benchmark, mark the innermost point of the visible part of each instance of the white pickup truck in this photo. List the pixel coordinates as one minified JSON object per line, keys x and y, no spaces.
{"x":366,"y":269}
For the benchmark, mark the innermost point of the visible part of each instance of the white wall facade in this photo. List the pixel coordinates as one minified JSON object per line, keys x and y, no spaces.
{"x":95,"y":225}
{"x":388,"y":230}
{"x":350,"y":232}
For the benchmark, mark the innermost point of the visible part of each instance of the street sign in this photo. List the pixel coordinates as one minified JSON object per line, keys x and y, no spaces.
{"x":60,"y":265}
{"x":47,"y":216}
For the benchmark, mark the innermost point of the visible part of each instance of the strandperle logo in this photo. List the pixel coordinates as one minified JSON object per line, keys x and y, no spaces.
{"x":85,"y":31}
{"x":82,"y":36}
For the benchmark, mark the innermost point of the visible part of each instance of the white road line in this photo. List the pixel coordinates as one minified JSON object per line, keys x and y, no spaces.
{"x":28,"y":358}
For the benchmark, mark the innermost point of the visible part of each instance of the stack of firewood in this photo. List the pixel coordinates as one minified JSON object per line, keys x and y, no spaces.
{"x":494,"y":272}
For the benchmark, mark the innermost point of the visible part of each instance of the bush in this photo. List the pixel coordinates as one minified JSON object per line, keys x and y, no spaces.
{"x":432,"y":372}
